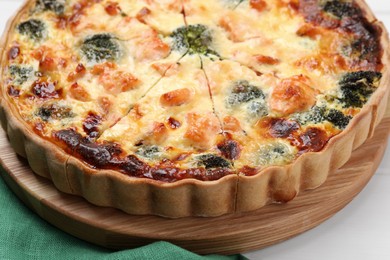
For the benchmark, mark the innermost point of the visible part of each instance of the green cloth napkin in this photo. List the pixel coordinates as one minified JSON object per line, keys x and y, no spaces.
{"x":24,"y":235}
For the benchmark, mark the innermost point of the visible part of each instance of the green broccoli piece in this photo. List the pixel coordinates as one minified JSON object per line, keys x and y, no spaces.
{"x":33,"y":28}
{"x":243,"y":92}
{"x":371,"y":77}
{"x":210,"y":161}
{"x":258,"y":108}
{"x":99,"y":48}
{"x":20,"y":74}
{"x":362,"y":48}
{"x":314,"y":116}
{"x":319,"y":114}
{"x":357,"y":87}
{"x":54,"y":112}
{"x":337,"y":118}
{"x":56,"y":6}
{"x":193,"y":39}
{"x":149,"y":152}
{"x":341,"y":9}
{"x":276,"y":153}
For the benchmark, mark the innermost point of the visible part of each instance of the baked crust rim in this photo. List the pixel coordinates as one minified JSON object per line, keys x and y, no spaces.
{"x":191,"y":197}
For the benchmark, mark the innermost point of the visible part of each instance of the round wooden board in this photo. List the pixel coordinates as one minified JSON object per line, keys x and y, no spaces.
{"x":229,"y":234}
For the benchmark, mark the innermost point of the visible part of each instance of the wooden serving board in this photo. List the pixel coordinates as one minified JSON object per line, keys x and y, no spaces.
{"x":229,"y":234}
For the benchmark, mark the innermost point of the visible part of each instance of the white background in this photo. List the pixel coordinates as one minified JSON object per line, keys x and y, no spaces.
{"x":359,"y":231}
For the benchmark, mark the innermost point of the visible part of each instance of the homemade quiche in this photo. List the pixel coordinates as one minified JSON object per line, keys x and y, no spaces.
{"x":191,"y":107}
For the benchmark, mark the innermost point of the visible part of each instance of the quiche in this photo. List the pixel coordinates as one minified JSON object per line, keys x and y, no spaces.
{"x":191,"y":107}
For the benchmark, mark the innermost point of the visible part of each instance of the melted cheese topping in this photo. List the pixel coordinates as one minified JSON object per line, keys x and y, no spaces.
{"x":199,"y":84}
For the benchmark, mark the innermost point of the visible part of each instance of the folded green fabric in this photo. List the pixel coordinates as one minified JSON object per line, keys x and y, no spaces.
{"x":24,"y":235}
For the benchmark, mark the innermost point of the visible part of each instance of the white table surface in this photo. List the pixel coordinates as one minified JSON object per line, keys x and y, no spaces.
{"x":359,"y":231}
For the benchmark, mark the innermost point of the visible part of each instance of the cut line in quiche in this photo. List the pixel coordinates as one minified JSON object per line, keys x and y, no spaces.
{"x":191,"y":108}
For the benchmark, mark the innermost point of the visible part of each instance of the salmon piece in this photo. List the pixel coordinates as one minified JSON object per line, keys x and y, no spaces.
{"x":227,"y":24}
{"x":75,"y":21}
{"x":292,"y":95}
{"x":176,"y":97}
{"x":62,"y":62}
{"x":79,"y":93}
{"x":136,"y":113}
{"x":253,"y":61}
{"x":39,"y":53}
{"x":166,"y":69}
{"x":151,"y":47}
{"x":112,"y":8}
{"x":46,"y":59}
{"x":231,"y":124}
{"x":291,"y":5}
{"x":108,"y":111}
{"x":262,"y":59}
{"x":322,"y":62}
{"x":258,"y":5}
{"x":175,"y":5}
{"x":270,"y":79}
{"x":47,"y":63}
{"x":145,"y":41}
{"x":158,"y":134}
{"x":143,"y":14}
{"x":239,"y":28}
{"x":100,"y":68}
{"x":78,"y":73}
{"x":313,"y":63}
{"x":202,"y":130}
{"x":105,"y":104}
{"x":308,"y":30}
{"x":113,"y":80}
{"x":118,"y":81}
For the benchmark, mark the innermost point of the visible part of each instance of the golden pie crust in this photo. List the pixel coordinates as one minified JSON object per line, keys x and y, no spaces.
{"x":190,"y":197}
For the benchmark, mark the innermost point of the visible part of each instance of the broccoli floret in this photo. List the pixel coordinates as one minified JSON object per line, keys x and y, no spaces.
{"x":149,"y":152}
{"x":341,"y":9}
{"x":56,"y":6}
{"x":337,"y":118}
{"x":315,"y":115}
{"x":320,"y":114}
{"x":193,"y":39}
{"x":20,"y":74}
{"x":357,"y":87}
{"x":54,"y":112}
{"x":33,"y":28}
{"x":276,"y":153}
{"x":99,"y":48}
{"x":212,"y":161}
{"x":243,"y":92}
{"x":258,"y":108}
{"x":362,"y":48}
{"x":355,"y":97}
{"x":370,"y":77}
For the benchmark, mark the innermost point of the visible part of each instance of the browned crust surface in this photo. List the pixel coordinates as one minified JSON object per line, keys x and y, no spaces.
{"x":193,"y":197}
